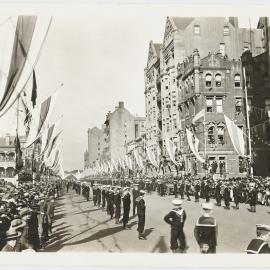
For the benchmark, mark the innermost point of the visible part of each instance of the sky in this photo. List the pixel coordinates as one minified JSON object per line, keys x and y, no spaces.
{"x":100,"y":60}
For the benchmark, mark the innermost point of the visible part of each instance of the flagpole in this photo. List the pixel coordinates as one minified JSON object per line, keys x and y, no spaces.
{"x":248,"y":123}
{"x":204,"y":134}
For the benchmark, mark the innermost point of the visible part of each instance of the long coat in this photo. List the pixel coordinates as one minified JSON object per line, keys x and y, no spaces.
{"x":117,"y":202}
{"x":126,"y":207}
{"x":141,"y":213}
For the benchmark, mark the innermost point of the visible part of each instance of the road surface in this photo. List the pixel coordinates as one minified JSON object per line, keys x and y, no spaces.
{"x":81,"y":226}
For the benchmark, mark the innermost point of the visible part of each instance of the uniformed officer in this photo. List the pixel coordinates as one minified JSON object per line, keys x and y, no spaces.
{"x":98,"y":193}
{"x":95,"y":194}
{"x":207,"y":191}
{"x":218,"y":193}
{"x":236,"y":195}
{"x":205,"y":230}
{"x":182,"y":189}
{"x":175,"y":188}
{"x":135,"y":195}
{"x":117,"y":203}
{"x":141,"y":214}
{"x":103,"y":197}
{"x":252,"y":197}
{"x":188,"y":189}
{"x":126,"y":206}
{"x":227,"y":196}
{"x":197,"y":189}
{"x":260,"y":245}
{"x":111,"y":202}
{"x":176,"y":218}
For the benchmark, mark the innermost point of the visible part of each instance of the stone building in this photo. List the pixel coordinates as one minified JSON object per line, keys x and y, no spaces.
{"x":95,"y":144}
{"x":258,"y":89}
{"x":112,"y":140}
{"x":215,"y":39}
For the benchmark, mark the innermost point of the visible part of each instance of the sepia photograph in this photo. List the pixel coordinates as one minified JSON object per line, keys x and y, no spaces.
{"x":135,"y":133}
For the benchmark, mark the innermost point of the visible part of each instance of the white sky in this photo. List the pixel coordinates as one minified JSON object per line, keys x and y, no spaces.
{"x":100,"y":59}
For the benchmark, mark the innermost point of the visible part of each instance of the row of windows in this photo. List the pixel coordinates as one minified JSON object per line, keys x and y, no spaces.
{"x":197,"y":30}
{"x":218,"y":82}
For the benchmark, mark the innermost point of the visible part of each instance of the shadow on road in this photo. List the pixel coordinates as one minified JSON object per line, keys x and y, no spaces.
{"x":161,"y":246}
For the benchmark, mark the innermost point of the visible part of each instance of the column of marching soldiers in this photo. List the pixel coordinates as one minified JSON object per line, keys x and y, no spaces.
{"x":110,"y":194}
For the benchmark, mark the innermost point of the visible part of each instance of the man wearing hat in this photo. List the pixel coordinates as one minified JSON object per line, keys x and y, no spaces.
{"x":206,"y":230}
{"x":141,"y":214}
{"x":103,"y":197}
{"x":176,"y":218}
{"x":12,"y":240}
{"x":135,"y":195}
{"x":126,"y":206}
{"x":98,"y":195}
{"x":259,"y":245}
{"x":117,"y":203}
{"x":252,"y":197}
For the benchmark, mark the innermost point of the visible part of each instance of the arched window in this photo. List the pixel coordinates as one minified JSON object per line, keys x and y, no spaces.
{"x":208,"y":80}
{"x":210,"y":134}
{"x":237,"y":82}
{"x":220,"y":133}
{"x":218,"y":80}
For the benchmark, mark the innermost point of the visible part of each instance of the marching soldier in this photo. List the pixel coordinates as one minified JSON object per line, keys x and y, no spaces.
{"x":117,"y":203}
{"x":176,"y":218}
{"x":188,"y":186}
{"x":98,"y":193}
{"x":175,"y":188}
{"x":260,"y":245}
{"x":95,"y":194}
{"x":135,"y":195}
{"x":126,"y":206}
{"x":236,"y":195}
{"x":218,"y":193}
{"x":141,"y":214}
{"x":227,"y":196}
{"x":182,"y":189}
{"x":252,"y":197}
{"x":103,"y":196}
{"x":111,"y":203}
{"x":207,"y":191}
{"x":206,"y":230}
{"x":197,"y":191}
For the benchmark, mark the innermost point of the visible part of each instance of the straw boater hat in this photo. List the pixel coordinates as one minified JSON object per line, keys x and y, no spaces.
{"x":177,"y":202}
{"x":12,"y":234}
{"x":17,"y":224}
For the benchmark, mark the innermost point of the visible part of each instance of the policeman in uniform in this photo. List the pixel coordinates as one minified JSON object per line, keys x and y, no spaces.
{"x":141,"y":214}
{"x":205,"y":230}
{"x":259,"y":245}
{"x":135,"y":195}
{"x":176,"y":218}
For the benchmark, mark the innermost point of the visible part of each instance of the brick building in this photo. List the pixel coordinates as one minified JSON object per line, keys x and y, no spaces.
{"x":214,"y":41}
{"x":258,"y":90}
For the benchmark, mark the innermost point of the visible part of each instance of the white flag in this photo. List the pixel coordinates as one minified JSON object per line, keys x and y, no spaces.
{"x":236,"y":135}
{"x":194,"y":146}
{"x":199,"y":115}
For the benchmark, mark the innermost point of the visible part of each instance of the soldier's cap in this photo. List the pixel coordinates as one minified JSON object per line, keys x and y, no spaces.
{"x":207,"y":206}
{"x":142,"y":192}
{"x":263,"y":227}
{"x":177,"y":202}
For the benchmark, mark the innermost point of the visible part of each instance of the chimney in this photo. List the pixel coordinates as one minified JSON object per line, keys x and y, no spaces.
{"x":121,"y":104}
{"x":234,"y":21}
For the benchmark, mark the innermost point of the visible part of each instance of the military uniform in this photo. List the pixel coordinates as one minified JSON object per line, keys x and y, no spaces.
{"x":135,"y":195}
{"x":117,"y":203}
{"x":197,"y":192}
{"x":176,"y":218}
{"x":227,"y":197}
{"x":141,"y":215}
{"x":98,"y":194}
{"x":126,"y":208}
{"x":206,"y":231}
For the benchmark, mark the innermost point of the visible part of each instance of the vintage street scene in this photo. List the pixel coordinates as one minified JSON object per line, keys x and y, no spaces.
{"x":129,"y":134}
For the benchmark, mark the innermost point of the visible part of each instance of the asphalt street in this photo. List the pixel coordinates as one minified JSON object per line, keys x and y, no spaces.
{"x":81,"y":226}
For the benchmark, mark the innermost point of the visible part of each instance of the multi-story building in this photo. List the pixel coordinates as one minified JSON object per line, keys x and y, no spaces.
{"x":258,"y":90}
{"x":219,"y":41}
{"x":86,"y":159}
{"x":213,"y":83}
{"x":111,"y":141}
{"x":95,"y":144}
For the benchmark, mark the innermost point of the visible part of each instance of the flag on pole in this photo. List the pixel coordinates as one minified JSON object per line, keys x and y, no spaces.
{"x":151,"y":157}
{"x":128,"y":162}
{"x":19,"y":161}
{"x":199,"y":115}
{"x":236,"y":135}
{"x":194,"y":146}
{"x":138,"y":159}
{"x":34,"y":89}
{"x":171,"y":148}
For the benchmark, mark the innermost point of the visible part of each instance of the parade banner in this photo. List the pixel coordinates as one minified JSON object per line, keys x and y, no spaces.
{"x":40,"y":118}
{"x":128,"y":162}
{"x":21,"y":41}
{"x":194,"y":146}
{"x":236,"y":135}
{"x":199,"y":115}
{"x":151,"y":157}
{"x":171,"y":148}
{"x":115,"y":164}
{"x":138,"y":159}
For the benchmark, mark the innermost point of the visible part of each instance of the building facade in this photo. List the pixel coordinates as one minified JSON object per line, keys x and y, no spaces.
{"x":192,"y":48}
{"x":112,"y":140}
{"x":258,"y":90}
